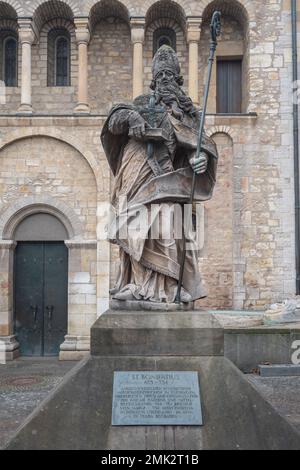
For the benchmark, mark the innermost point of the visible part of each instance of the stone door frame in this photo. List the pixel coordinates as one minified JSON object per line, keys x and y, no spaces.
{"x":9,"y":220}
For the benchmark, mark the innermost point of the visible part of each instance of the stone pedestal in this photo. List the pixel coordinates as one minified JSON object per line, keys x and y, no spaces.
{"x":78,"y":413}
{"x":74,"y":348}
{"x":157,"y":334}
{"x":9,"y":349}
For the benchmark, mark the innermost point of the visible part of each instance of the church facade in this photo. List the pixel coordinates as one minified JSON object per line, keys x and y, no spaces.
{"x":63,"y":64}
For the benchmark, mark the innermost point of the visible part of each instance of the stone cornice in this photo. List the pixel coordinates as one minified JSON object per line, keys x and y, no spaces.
{"x":81,"y":244}
{"x":96,"y":120}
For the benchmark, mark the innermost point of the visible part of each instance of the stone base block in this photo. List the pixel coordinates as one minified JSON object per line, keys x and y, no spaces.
{"x":142,"y":333}
{"x":140,"y":305}
{"x":82,"y":108}
{"x":72,"y":355}
{"x":236,"y":416}
{"x":25,"y":109}
{"x":283,"y":370}
{"x":9,"y":349}
{"x":75,"y":348}
{"x":248,"y":347}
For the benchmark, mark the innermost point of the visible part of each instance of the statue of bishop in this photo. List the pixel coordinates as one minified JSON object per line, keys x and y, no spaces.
{"x":157,"y":172}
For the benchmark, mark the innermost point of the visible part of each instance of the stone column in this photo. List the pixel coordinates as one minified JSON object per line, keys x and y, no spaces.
{"x":26,"y":37}
{"x":83,"y":37}
{"x":193,"y":38}
{"x":8,"y":343}
{"x":137,"y":38}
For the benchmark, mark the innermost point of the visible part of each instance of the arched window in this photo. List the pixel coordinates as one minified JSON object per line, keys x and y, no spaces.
{"x":59,"y":52}
{"x":10,"y":61}
{"x":164,"y":36}
{"x":62,"y":49}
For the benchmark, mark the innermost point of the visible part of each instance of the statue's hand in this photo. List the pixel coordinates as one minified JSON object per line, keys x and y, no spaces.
{"x":200,"y":164}
{"x":137,"y":126}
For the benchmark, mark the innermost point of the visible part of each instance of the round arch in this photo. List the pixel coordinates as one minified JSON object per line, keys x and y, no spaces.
{"x":72,"y":4}
{"x":183,"y":5}
{"x":24,"y":207}
{"x":240,"y":9}
{"x":166,"y":9}
{"x":105,"y":8}
{"x":45,"y":11}
{"x":58,"y":135}
{"x":125,"y":5}
{"x":11,"y":9}
{"x":222,"y":130}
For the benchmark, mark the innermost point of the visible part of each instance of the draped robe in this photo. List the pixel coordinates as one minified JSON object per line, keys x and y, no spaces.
{"x":149,"y":268}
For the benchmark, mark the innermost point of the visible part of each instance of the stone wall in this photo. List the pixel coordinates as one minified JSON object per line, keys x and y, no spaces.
{"x":110,"y":65}
{"x":44,"y":166}
{"x":248,"y":259}
{"x":53,"y":99}
{"x":216,"y":259}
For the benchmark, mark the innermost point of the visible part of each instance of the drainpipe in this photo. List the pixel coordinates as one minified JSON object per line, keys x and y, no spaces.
{"x":296,"y":144}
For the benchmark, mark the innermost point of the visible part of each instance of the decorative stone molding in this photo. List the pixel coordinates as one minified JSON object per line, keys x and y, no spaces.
{"x":79,"y":244}
{"x":24,"y":207}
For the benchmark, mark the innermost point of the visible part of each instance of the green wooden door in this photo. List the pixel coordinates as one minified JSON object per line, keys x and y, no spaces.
{"x":41,"y":297}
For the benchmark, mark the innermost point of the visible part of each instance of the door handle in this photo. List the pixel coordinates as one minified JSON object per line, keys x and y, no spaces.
{"x":50,"y":310}
{"x":35,"y":312}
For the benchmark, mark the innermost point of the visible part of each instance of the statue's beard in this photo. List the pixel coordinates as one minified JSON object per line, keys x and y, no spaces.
{"x":173,"y":96}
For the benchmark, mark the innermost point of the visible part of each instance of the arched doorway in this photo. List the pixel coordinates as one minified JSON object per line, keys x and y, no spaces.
{"x":40,"y":285}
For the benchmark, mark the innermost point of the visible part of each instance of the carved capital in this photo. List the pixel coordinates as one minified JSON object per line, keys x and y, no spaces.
{"x":137,"y":29}
{"x":193,"y":29}
{"x":82,"y":31}
{"x":7,"y":245}
{"x":26,"y":32}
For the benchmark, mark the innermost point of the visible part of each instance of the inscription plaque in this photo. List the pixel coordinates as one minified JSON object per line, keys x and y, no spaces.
{"x":156,"y":399}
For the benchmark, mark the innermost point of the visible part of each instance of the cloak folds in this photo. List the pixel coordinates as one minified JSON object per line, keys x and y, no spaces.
{"x":174,"y":186}
{"x":128,"y":162}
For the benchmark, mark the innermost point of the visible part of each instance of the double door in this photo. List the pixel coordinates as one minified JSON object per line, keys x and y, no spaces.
{"x":41,"y":297}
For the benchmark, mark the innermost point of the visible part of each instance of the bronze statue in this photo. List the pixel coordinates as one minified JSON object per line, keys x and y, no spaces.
{"x":151,"y":147}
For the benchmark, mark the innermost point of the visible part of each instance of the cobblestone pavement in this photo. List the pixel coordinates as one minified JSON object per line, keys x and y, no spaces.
{"x":23,"y":385}
{"x":283,"y":393}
